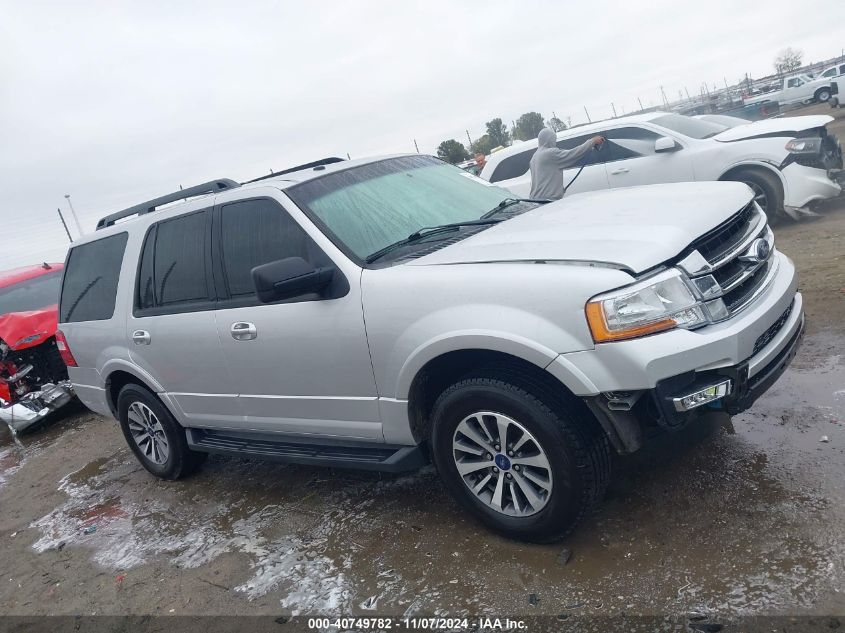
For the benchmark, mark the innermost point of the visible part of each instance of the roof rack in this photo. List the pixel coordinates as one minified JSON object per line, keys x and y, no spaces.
{"x":311,"y":165}
{"x":212,"y":186}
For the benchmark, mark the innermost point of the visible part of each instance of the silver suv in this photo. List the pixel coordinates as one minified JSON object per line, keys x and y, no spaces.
{"x":377,"y":313}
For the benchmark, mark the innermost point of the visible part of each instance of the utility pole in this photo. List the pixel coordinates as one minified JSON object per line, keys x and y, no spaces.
{"x":64,"y":224}
{"x":73,"y":213}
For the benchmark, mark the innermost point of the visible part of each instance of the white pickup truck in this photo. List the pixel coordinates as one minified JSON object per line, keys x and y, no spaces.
{"x":796,"y":89}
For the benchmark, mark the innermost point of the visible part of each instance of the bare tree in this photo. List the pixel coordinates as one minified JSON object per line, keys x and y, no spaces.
{"x":788,"y":60}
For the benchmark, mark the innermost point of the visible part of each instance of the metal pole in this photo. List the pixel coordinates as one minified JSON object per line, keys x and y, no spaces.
{"x":641,"y":104}
{"x":470,"y":140}
{"x":73,"y":213}
{"x":416,"y":146}
{"x":589,"y":120}
{"x":64,"y":224}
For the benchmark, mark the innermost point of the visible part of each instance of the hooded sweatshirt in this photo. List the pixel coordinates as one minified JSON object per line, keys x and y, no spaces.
{"x":548,"y":163}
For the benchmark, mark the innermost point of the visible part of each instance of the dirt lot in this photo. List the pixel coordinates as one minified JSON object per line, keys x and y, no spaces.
{"x":729,"y":523}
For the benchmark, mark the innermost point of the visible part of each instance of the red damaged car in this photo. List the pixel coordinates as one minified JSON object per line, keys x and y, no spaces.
{"x":33,"y":376}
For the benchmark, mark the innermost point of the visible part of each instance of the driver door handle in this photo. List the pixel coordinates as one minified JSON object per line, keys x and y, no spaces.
{"x":243,"y":331}
{"x":620,"y":170}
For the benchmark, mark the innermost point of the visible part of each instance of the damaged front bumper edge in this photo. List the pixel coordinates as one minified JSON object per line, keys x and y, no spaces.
{"x":35,"y":406}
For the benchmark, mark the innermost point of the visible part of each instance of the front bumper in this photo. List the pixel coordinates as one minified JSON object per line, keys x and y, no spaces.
{"x":807,"y":184}
{"x":745,"y":387}
{"x":35,"y":406}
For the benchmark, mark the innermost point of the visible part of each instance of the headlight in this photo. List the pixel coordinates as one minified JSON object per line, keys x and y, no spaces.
{"x":804,"y":145}
{"x":660,"y":303}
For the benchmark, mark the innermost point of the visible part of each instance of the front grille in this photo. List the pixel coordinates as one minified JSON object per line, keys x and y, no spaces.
{"x":766,"y":337}
{"x":724,"y":238}
{"x":725,"y":254}
{"x":747,"y":287}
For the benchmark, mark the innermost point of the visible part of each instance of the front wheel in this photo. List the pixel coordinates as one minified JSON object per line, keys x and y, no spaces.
{"x":157,"y":440}
{"x":767,"y":188}
{"x":520,"y":460}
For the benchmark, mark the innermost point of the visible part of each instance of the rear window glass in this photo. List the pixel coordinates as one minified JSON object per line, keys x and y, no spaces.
{"x":32,"y":294}
{"x":90,"y":282}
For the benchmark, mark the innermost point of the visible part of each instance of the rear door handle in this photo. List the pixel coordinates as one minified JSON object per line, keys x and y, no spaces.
{"x":243,"y":331}
{"x":620,"y":170}
{"x":141,"y":337}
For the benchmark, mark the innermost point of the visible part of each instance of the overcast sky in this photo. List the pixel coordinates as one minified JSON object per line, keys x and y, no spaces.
{"x":117,"y":102}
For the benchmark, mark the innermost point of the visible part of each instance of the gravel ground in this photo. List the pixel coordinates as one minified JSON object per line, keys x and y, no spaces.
{"x":730,"y":518}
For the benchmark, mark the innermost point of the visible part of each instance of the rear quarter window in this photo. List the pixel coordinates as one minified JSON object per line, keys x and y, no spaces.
{"x":92,"y":271}
{"x":513,"y":166}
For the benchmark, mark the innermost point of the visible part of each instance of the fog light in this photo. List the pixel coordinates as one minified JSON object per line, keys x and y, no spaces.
{"x":703,"y":396}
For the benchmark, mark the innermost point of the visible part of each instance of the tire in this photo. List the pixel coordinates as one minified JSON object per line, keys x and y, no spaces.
{"x":822,"y":95}
{"x":162,"y":448}
{"x":576,"y":449}
{"x":768,"y":190}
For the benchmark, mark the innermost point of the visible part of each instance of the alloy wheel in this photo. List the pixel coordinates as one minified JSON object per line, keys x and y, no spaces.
{"x":147,"y":432}
{"x":502,"y":464}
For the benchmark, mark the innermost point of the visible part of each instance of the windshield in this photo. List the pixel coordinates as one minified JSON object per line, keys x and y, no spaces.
{"x":32,"y":294}
{"x":372,"y":206}
{"x":693,"y":128}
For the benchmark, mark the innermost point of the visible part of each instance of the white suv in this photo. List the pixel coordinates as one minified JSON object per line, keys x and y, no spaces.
{"x":787,"y":161}
{"x":373,"y":313}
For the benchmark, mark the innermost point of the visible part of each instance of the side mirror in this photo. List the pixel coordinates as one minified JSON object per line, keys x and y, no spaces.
{"x":665,"y":144}
{"x":288,"y":278}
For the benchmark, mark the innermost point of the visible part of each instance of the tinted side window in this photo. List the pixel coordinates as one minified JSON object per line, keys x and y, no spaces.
{"x":513,"y":166}
{"x":90,"y":283}
{"x":629,"y":142}
{"x":255,"y":232}
{"x":179,"y":263}
{"x":593,"y":158}
{"x":146,"y":286}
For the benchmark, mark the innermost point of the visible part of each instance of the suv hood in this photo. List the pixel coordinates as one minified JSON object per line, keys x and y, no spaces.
{"x":786,"y":127}
{"x":634,"y":228}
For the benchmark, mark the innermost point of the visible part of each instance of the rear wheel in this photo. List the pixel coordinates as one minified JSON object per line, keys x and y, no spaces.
{"x":822,"y":95}
{"x":518,"y":458}
{"x":768,"y":191}
{"x":157,"y":440}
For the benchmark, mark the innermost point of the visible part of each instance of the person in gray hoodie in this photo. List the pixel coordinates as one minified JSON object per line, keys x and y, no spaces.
{"x":549,"y":161}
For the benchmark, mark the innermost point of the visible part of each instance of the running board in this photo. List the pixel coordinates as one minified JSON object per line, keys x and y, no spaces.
{"x":294,"y":450}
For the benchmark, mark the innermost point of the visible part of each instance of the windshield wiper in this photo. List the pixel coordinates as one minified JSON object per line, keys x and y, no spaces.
{"x":425,"y":232}
{"x":507,"y":202}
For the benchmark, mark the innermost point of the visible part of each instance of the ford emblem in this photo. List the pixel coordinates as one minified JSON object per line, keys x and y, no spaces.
{"x":757,"y":252}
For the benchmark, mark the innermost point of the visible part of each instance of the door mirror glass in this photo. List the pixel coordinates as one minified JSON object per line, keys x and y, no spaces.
{"x":665,"y":144}
{"x":288,"y":278}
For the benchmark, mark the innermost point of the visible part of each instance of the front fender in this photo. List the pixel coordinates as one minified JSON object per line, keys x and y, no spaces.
{"x":492,"y":341}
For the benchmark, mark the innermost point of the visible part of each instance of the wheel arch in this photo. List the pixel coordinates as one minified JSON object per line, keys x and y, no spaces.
{"x":755,"y":165}
{"x":118,"y":378}
{"x":758,"y":166}
{"x":444,"y":369}
{"x":819,"y":90}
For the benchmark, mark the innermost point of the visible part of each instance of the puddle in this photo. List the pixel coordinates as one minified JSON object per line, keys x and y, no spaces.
{"x":747,"y":523}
